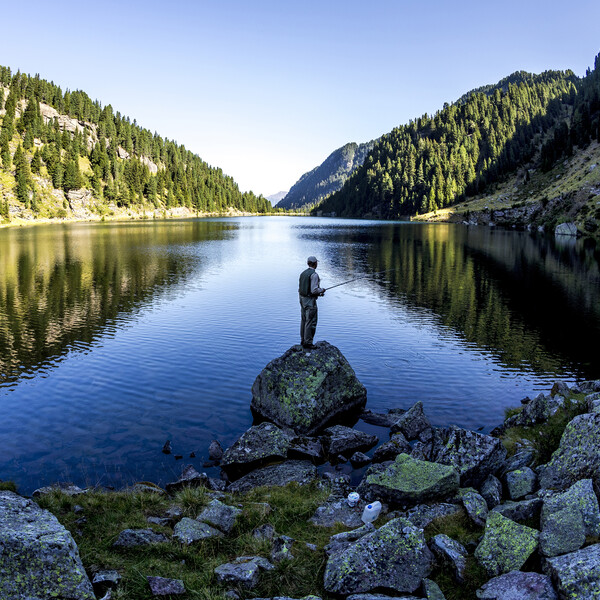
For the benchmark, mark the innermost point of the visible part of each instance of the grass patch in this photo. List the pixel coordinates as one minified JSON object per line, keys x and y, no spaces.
{"x":107,"y":514}
{"x":459,"y":527}
{"x":9,"y":486}
{"x":475,"y":576}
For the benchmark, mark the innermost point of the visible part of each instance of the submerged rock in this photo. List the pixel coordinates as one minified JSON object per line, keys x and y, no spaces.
{"x":394,"y":557}
{"x":408,"y":480}
{"x":506,"y":545}
{"x":306,"y":391}
{"x":39,"y":558}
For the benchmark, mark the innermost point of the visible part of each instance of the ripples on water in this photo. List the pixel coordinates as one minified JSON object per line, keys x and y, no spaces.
{"x":117,"y":337}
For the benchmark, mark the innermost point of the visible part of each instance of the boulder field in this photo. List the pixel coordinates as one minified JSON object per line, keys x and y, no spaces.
{"x":537,"y":525}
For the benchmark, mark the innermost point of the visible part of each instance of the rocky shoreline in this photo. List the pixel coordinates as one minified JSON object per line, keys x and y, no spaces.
{"x":464,"y":514}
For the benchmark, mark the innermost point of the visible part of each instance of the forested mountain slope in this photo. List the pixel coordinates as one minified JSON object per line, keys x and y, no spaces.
{"x":525,"y":122}
{"x":327,"y":178}
{"x":64,"y":155}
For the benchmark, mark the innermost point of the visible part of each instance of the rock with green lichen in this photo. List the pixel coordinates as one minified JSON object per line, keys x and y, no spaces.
{"x":476,"y":507}
{"x":243,"y":571}
{"x":337,"y":510}
{"x":306,"y":391}
{"x":577,"y":456}
{"x":474,"y":455}
{"x":282,"y":548}
{"x":389,"y":450}
{"x":452,"y":553}
{"x":520,"y":483}
{"x":408,"y":480}
{"x":256,"y":446}
{"x":432,"y":590}
{"x":394,"y":557}
{"x":579,"y":498}
{"x":576,"y":575}
{"x":376,"y":597}
{"x":562,"y":532}
{"x":300,"y":471}
{"x":517,"y":585}
{"x":423,"y":514}
{"x":491,"y":490}
{"x":506,"y":545}
{"x":38,"y":558}
{"x":524,"y":510}
{"x":188,"y":531}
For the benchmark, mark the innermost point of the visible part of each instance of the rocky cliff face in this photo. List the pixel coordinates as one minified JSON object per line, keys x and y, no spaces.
{"x":328,"y":177}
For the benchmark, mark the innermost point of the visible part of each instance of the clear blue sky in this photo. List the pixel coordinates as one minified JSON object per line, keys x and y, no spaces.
{"x":266,"y":90}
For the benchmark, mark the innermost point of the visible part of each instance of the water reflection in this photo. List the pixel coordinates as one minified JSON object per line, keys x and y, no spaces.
{"x":61,"y":287}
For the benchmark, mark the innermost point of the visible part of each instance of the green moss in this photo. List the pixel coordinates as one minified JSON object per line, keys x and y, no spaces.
{"x":10,"y":486}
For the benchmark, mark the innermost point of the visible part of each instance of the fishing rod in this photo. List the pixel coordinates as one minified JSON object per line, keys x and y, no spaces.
{"x":357,"y":278}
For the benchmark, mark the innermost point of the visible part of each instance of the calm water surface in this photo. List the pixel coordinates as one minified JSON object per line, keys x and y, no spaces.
{"x":117,"y":337}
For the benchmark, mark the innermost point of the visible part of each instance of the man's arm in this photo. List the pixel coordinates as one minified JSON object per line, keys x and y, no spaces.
{"x":315,"y":290}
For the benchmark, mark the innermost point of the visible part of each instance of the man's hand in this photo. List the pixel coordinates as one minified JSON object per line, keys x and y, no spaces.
{"x":322,"y":293}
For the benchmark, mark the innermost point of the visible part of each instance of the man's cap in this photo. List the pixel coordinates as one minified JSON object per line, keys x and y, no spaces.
{"x":311,"y":259}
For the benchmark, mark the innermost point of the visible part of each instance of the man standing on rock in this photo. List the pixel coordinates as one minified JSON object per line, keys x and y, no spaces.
{"x":309,"y":290}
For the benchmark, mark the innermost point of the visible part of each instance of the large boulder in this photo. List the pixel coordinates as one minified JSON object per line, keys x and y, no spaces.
{"x":408,"y":480}
{"x":306,"y":391}
{"x":576,"y":575}
{"x":577,"y":456}
{"x":506,"y":545}
{"x":473,"y":454}
{"x":394,"y":557}
{"x":256,"y":446}
{"x":38,"y":557}
{"x":517,"y":585}
{"x":300,"y":471}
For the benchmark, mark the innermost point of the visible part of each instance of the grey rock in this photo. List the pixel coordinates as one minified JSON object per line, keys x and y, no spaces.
{"x":145,"y":487}
{"x":397,"y":444}
{"x":576,"y":575}
{"x":588,"y":387}
{"x":162,"y":521}
{"x":566,"y":229}
{"x":379,"y":419}
{"x":593,"y":402}
{"x":491,"y":490}
{"x":243,"y":571}
{"x":300,"y":471}
{"x":233,"y":595}
{"x":506,"y":545}
{"x":524,"y":510}
{"x":560,"y":388}
{"x":422,"y":450}
{"x":307,"y":391}
{"x":563,"y":531}
{"x":336,"y":510}
{"x":264,"y":532}
{"x":537,"y":410}
{"x":577,"y":456}
{"x":340,"y":439}
{"x":358,"y":460}
{"x":394,"y":557}
{"x":39,"y":558}
{"x":306,"y":448}
{"x":257,"y":445}
{"x":412,"y":422}
{"x":129,"y":538}
{"x":341,"y":541}
{"x":451,"y":553}
{"x":188,"y":531}
{"x":161,"y":586}
{"x":579,"y":498}
{"x":67,"y":489}
{"x":189,"y":478}
{"x":282,"y":548}
{"x":520,"y":483}
{"x":105,"y":580}
{"x":424,"y":514}
{"x":215,"y":451}
{"x":408,"y":480}
{"x":432,"y":590}
{"x":524,"y":457}
{"x":378,"y":597}
{"x":473,"y":454}
{"x":476,"y":507}
{"x":517,"y":585}
{"x":219,"y":515}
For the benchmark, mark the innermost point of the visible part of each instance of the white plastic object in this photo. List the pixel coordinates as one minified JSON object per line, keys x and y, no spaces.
{"x":353,"y":498}
{"x":371,"y":512}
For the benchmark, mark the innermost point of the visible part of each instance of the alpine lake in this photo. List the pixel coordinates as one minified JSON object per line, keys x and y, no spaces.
{"x":116,"y":337}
